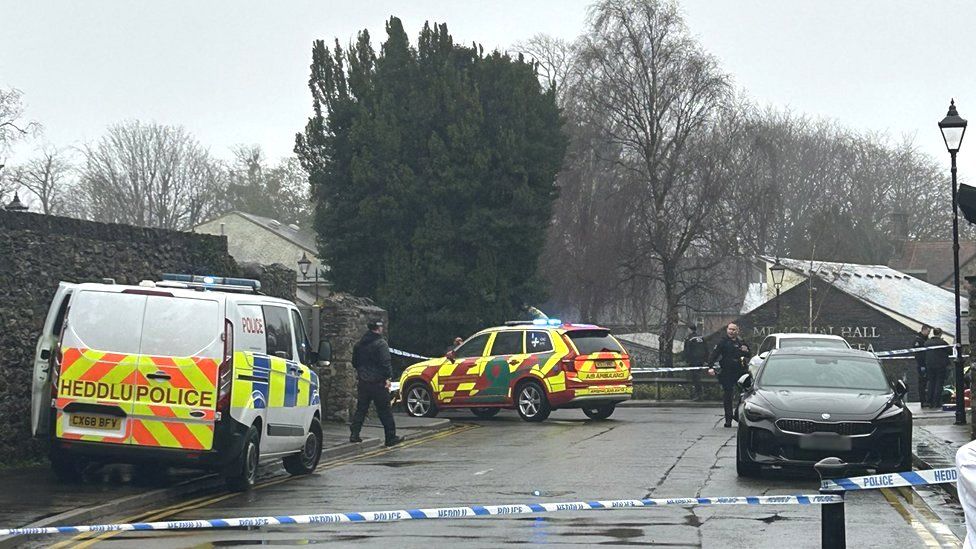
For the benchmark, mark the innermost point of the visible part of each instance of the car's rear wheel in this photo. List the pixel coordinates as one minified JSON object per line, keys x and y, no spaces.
{"x":243,"y":474}
{"x":485,"y":413}
{"x":305,"y":462}
{"x":744,"y":467}
{"x":420,"y":401}
{"x":601,"y":411}
{"x":532,"y":402}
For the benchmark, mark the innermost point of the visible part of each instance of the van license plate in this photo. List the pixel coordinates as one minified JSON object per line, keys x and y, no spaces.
{"x":605,"y":364}
{"x":97,"y":422}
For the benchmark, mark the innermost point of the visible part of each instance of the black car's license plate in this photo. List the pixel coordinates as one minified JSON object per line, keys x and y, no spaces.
{"x":825,"y":441}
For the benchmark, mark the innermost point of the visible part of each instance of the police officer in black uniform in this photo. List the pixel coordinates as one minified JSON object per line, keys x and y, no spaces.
{"x":371,"y":359}
{"x":920,"y":338}
{"x":732,"y":355}
{"x":696,"y":353}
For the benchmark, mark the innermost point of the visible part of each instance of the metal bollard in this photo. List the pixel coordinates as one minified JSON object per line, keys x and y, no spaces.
{"x":833,"y":527}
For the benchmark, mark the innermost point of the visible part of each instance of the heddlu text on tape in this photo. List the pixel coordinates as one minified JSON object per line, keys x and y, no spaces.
{"x":893,"y":480}
{"x":473,"y":511}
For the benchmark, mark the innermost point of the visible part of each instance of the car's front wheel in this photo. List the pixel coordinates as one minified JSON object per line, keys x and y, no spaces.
{"x":532,"y":402}
{"x":601,"y":411}
{"x":420,"y":401}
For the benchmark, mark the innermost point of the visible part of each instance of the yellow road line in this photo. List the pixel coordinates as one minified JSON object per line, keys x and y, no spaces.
{"x":942,"y":532}
{"x":920,"y":527}
{"x":158,"y":514}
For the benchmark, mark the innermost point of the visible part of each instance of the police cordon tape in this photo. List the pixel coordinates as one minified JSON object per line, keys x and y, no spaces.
{"x":893,"y":480}
{"x":473,"y":511}
{"x":406,"y":354}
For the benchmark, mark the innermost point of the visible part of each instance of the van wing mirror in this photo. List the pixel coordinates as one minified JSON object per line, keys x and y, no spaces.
{"x":451,"y":355}
{"x":745,"y":382}
{"x":325,"y":352}
{"x":763,"y":355}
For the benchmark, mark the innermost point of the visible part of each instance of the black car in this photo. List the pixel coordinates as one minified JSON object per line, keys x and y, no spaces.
{"x":809,"y":404}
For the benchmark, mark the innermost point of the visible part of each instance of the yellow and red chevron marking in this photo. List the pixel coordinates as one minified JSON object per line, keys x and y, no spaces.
{"x":171,"y":434}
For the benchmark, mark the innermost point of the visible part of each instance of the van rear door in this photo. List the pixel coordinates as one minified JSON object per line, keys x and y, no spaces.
{"x":96,"y":364}
{"x":44,"y":358}
{"x":175,"y":399}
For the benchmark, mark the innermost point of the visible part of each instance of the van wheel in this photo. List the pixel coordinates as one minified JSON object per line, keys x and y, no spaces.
{"x":419,"y":401}
{"x":602,"y":411}
{"x":244,"y":472}
{"x":305,"y":462}
{"x":485,"y":413}
{"x":531,"y":402}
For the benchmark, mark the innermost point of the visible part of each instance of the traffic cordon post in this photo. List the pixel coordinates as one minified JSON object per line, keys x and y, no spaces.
{"x":833,"y":524}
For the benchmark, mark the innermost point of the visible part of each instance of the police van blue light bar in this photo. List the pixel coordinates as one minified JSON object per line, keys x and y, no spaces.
{"x":213,"y":281}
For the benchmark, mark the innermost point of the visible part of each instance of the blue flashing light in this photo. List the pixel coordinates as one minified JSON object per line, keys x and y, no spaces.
{"x":554,"y":322}
{"x":208,"y":280}
{"x":540,"y":322}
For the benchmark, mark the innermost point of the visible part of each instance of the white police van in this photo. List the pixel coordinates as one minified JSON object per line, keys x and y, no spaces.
{"x":201,"y":371}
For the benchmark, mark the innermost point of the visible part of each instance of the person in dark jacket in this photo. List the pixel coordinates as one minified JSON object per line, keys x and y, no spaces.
{"x":696,"y":353}
{"x":936,"y":365}
{"x":732,"y":355}
{"x":923,"y":389}
{"x":371,"y":360}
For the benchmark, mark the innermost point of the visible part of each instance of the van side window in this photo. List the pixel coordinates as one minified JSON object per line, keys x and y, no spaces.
{"x":277,"y":329}
{"x":301,"y":337}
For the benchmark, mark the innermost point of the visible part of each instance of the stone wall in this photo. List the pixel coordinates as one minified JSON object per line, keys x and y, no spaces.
{"x":343,"y":322}
{"x":38,"y":251}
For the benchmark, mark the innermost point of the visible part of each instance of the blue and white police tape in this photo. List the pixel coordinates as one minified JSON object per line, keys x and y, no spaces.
{"x":657,"y":370}
{"x":473,"y":511}
{"x":893,"y":480}
{"x":911,"y":351}
{"x":406,"y":354}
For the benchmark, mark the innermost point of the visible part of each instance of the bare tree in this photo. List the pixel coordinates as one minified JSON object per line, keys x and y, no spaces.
{"x":151,"y":175}
{"x":658,"y":97}
{"x":46,"y":177}
{"x":12,"y":127}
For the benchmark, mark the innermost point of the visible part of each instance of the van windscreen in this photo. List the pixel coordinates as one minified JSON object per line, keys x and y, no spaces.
{"x":180,"y":327}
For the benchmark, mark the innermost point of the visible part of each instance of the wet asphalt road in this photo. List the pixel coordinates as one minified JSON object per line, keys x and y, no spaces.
{"x":639,"y":452}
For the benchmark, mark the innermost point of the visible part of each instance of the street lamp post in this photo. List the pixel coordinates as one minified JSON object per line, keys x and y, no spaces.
{"x":777,"y":271}
{"x":953,"y":129}
{"x":303,"y":264}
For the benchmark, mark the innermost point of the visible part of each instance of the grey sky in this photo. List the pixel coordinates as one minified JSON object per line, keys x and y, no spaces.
{"x":235,"y":71}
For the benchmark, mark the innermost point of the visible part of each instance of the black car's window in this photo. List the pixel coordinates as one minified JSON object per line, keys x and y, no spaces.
{"x":537,"y":342}
{"x":826,"y":372}
{"x":588,"y":342}
{"x":507,"y":343}
{"x":473,"y":347}
{"x":824,"y":343}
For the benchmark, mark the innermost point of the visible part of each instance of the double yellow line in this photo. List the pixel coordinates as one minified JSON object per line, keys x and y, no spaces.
{"x":86,"y":539}
{"x":927,"y":526}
